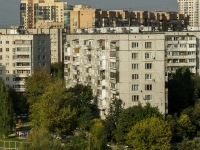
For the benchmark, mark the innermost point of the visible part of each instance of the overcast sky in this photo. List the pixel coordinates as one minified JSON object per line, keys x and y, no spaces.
{"x":9,"y":9}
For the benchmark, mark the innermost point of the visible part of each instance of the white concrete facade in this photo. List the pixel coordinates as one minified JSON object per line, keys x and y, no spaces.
{"x":19,"y":55}
{"x":126,"y":66}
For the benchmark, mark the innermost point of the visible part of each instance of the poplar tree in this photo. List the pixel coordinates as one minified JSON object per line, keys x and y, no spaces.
{"x":7,"y":117}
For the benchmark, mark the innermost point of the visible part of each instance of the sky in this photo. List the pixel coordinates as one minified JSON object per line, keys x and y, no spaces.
{"x":10,"y":13}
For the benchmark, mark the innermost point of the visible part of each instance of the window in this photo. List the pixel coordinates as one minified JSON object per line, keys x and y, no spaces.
{"x":148,"y":44}
{"x":148,"y":87}
{"x":135,"y":98}
{"x":134,"y":55}
{"x":39,"y":57}
{"x":148,"y":55}
{"x":0,"y":42}
{"x":0,"y":64}
{"x":148,"y":97}
{"x":147,"y":76}
{"x":44,"y":49}
{"x":135,"y":76}
{"x":7,"y":64}
{"x":39,"y":50}
{"x":192,"y":45}
{"x":44,"y":64}
{"x":135,"y":66}
{"x":39,"y":42}
{"x":7,"y":78}
{"x":148,"y":65}
{"x":182,"y":45}
{"x":39,"y":64}
{"x":7,"y":71}
{"x":7,"y":49}
{"x":1,"y":49}
{"x":44,"y":42}
{"x":1,"y":72}
{"x":135,"y":87}
{"x":135,"y":44}
{"x":44,"y":56}
{"x":7,"y":56}
{"x":1,"y":57}
{"x":7,"y":42}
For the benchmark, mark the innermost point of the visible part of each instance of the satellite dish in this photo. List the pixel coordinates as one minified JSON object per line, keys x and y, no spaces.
{"x":141,"y":27}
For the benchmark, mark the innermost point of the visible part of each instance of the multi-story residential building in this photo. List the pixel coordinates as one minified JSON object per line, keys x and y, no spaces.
{"x":48,"y":10}
{"x":126,"y":66}
{"x":57,"y":38}
{"x":190,"y":7}
{"x":83,"y":16}
{"x":181,"y":50}
{"x":20,"y":54}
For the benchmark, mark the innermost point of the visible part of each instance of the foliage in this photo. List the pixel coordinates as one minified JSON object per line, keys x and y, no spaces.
{"x":116,"y":107}
{"x":151,"y":133}
{"x":7,"y":116}
{"x":189,"y":145}
{"x":181,"y":90}
{"x":57,"y":70}
{"x":35,"y":84}
{"x":41,"y":139}
{"x":97,"y":136}
{"x":130,"y":116}
{"x":187,"y":128}
{"x":80,"y":98}
{"x":79,"y":141}
{"x":52,"y":112}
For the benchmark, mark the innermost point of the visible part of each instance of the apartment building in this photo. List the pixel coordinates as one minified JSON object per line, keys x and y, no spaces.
{"x":84,"y":16}
{"x":20,"y":54}
{"x":48,"y":10}
{"x":126,"y":66}
{"x":181,"y":50}
{"x":57,"y":38}
{"x":190,"y":7}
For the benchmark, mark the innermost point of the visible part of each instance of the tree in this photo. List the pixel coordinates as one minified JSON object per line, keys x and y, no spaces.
{"x":81,"y":99}
{"x":130,"y":116}
{"x":151,"y":133}
{"x":116,"y":107}
{"x":7,"y":117}
{"x":40,"y":138}
{"x":97,"y":135}
{"x":35,"y":84}
{"x":57,"y":70}
{"x":52,"y":111}
{"x":181,"y":90}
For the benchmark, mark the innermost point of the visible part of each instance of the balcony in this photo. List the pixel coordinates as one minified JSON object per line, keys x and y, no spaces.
{"x":76,"y":63}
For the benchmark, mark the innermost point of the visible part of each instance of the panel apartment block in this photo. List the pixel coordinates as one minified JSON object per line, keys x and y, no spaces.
{"x":19,"y":55}
{"x":126,"y":66}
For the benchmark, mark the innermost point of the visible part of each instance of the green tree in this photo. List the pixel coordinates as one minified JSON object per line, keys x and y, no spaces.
{"x":116,"y":107}
{"x":187,"y":128}
{"x":130,"y":116}
{"x":41,"y":139}
{"x":35,"y":84}
{"x":150,"y":134}
{"x":7,"y":117}
{"x":81,"y":99}
{"x":57,"y":70}
{"x":52,"y":111}
{"x":181,"y":90}
{"x":189,"y":145}
{"x":97,"y":135}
